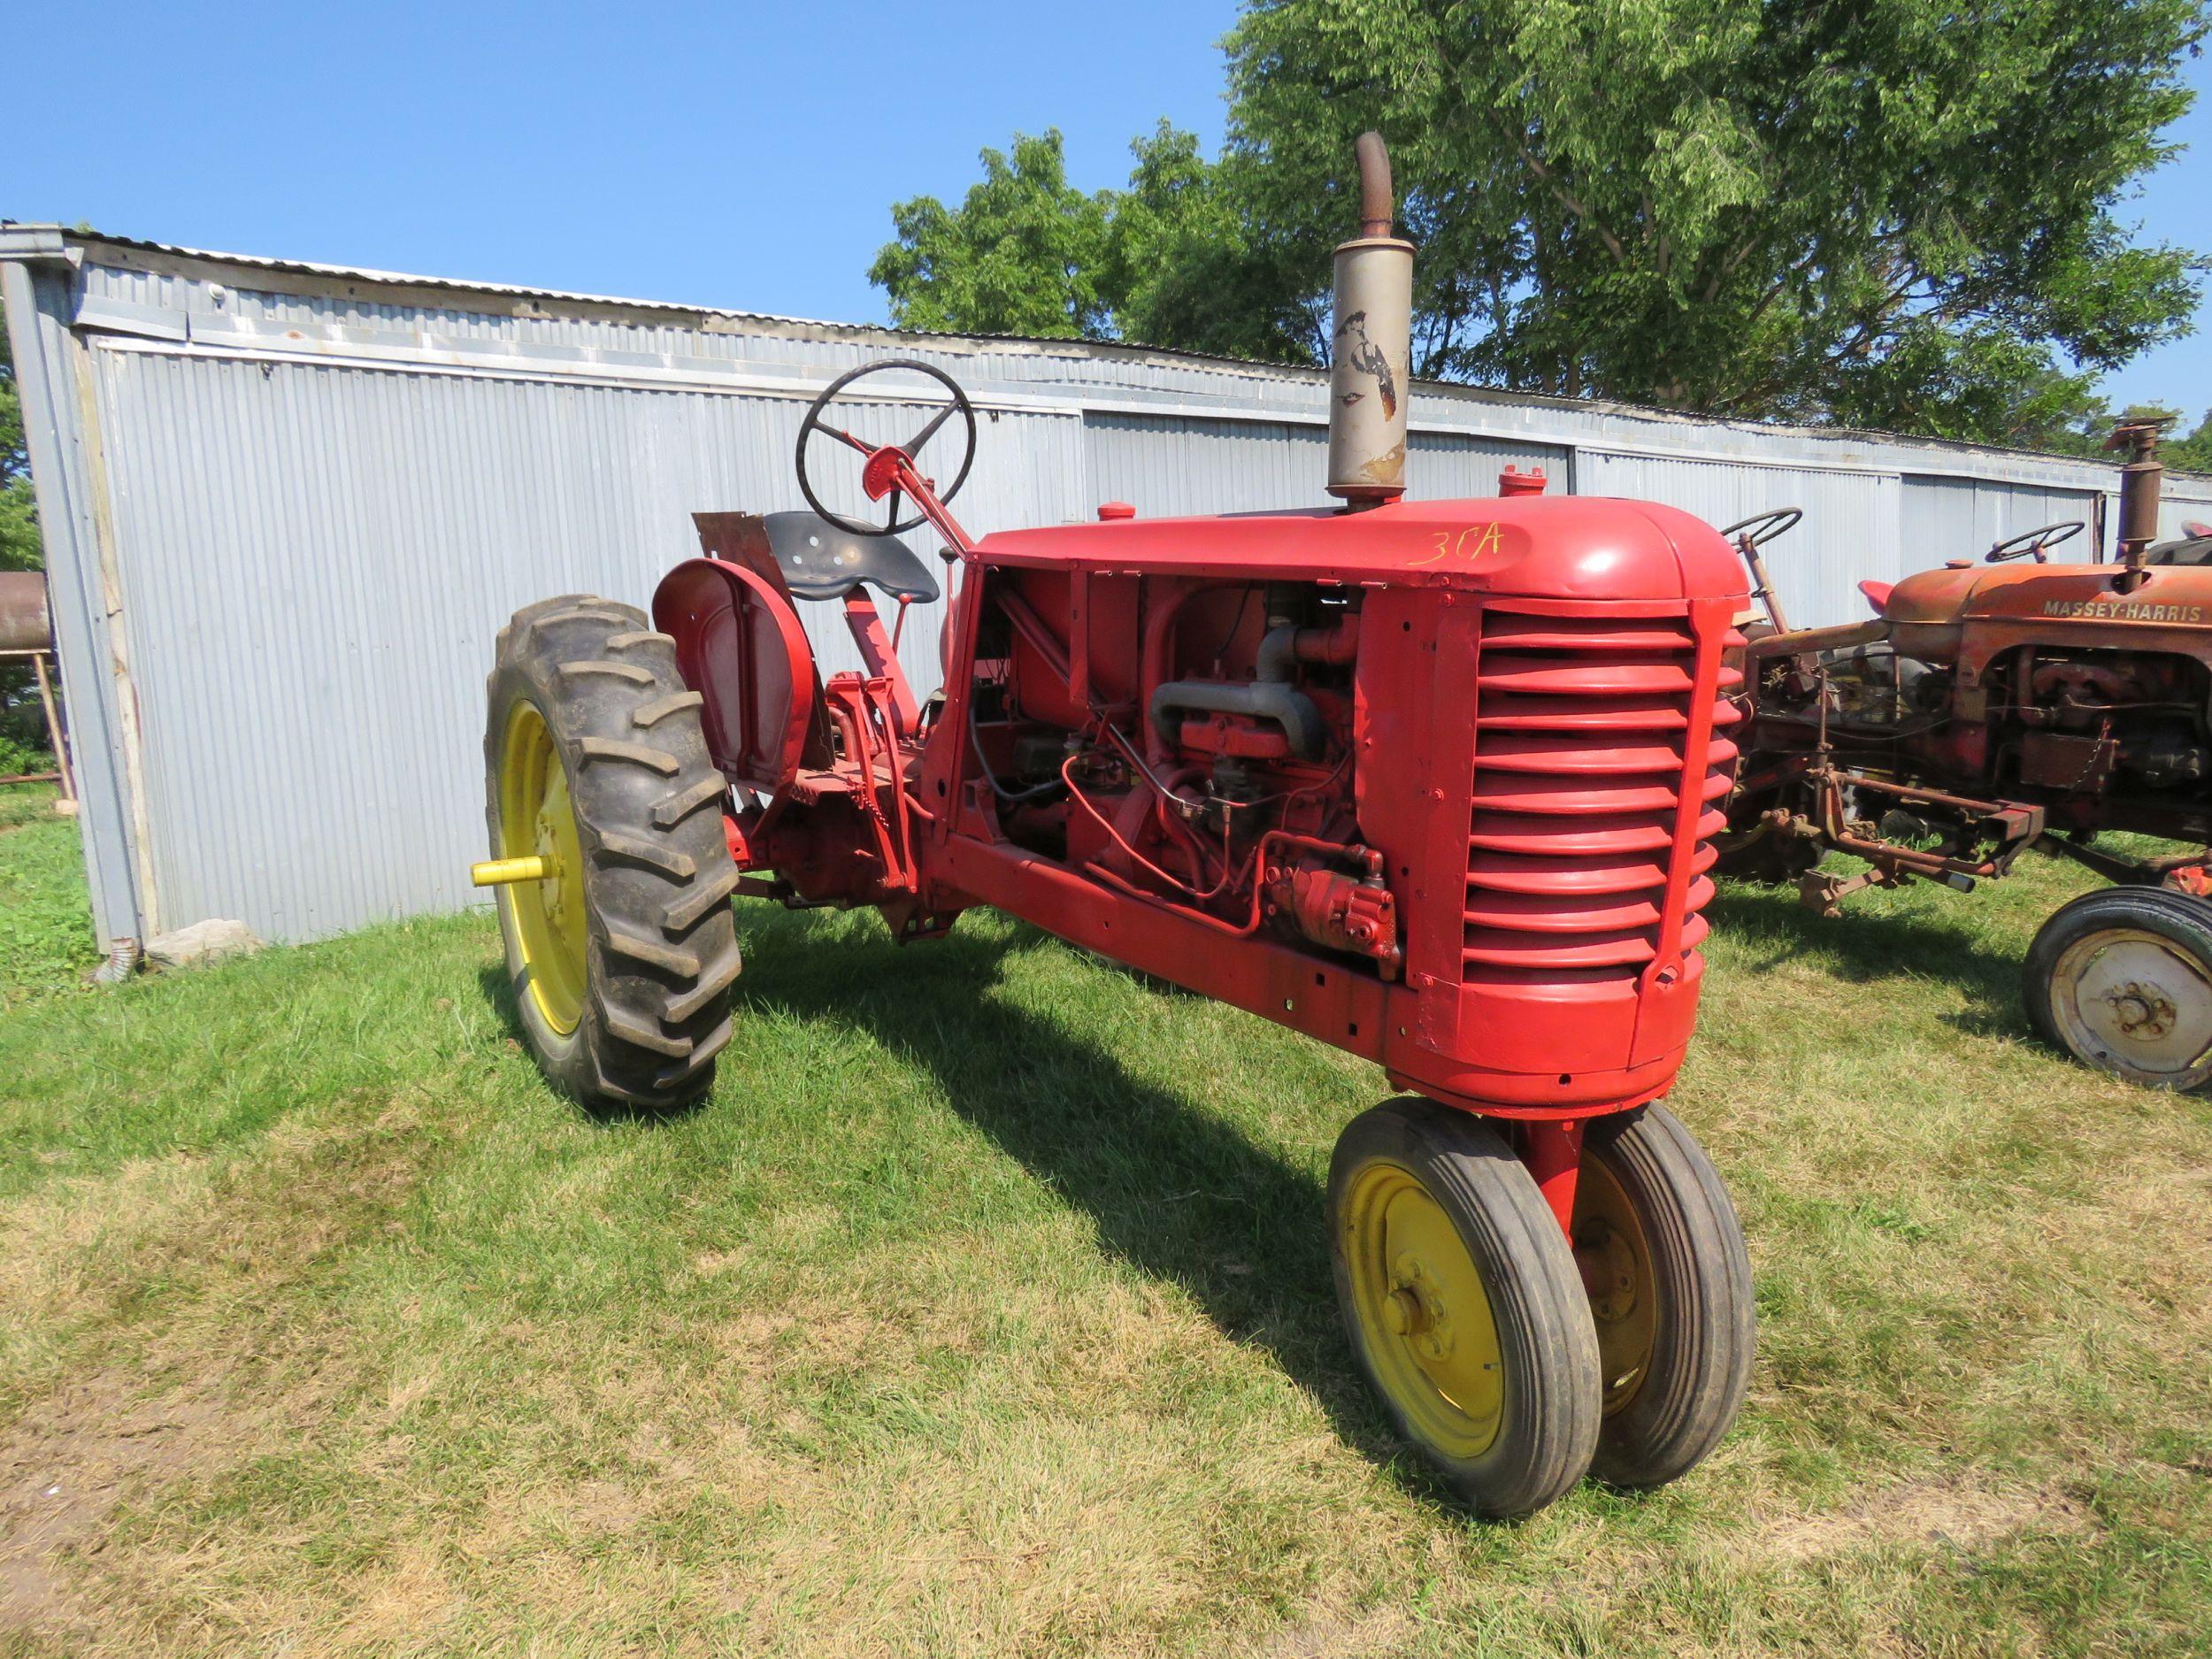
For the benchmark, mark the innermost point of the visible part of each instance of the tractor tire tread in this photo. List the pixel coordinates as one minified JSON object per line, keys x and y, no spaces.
{"x":636,"y":1030}
{"x":711,"y":983}
{"x":663,"y":953}
{"x":702,"y":1054}
{"x":654,"y":713}
{"x":667,"y":958}
{"x":671,"y":811}
{"x":590,"y":610}
{"x":613,"y":748}
{"x":649,"y":854}
{"x":712,"y":890}
{"x":630,"y":672}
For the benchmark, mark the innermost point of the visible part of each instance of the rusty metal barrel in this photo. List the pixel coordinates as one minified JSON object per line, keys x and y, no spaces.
{"x":24,"y":624}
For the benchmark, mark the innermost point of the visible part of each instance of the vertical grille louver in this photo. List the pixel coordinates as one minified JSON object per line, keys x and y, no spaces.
{"x":1579,"y":774}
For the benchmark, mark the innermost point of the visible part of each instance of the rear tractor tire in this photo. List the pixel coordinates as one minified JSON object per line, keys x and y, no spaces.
{"x":2121,"y":978}
{"x":1463,"y":1305}
{"x":622,"y":956}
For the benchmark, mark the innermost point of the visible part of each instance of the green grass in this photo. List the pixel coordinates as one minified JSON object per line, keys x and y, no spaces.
{"x":45,"y":918}
{"x":985,"y":1308}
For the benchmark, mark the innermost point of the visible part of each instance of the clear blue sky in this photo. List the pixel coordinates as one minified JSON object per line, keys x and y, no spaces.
{"x":740,"y":155}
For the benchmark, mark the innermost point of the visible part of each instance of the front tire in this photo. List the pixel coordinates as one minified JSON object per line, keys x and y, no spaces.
{"x":2121,"y":978}
{"x":622,"y":959}
{"x":1668,"y":1280}
{"x":1462,"y":1304}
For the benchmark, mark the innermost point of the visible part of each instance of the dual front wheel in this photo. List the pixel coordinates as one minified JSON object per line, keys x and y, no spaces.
{"x":1515,"y":1360}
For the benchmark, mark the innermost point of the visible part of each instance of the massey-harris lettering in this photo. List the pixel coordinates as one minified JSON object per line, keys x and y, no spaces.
{"x":2122,"y":610}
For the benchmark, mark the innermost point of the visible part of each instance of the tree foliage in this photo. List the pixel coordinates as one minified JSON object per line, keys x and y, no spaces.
{"x":1170,"y":261}
{"x":19,"y":519}
{"x":22,"y":729}
{"x":1889,"y":213}
{"x":1023,"y":254}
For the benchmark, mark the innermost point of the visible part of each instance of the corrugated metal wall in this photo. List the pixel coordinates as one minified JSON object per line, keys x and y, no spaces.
{"x":1963,"y":517}
{"x":317,"y":560}
{"x":1849,"y":533}
{"x":309,"y":499}
{"x":1170,"y":464}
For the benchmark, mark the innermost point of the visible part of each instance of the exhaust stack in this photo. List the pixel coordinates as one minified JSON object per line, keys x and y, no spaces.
{"x":1370,"y":355}
{"x":2142,"y":481}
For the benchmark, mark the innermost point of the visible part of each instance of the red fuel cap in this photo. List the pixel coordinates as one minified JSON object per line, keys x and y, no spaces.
{"x":1116,"y":509}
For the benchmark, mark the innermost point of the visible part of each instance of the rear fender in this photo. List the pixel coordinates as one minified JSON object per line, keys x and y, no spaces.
{"x":740,"y":645}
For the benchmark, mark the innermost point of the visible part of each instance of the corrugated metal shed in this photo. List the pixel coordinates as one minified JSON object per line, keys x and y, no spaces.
{"x":288,"y":505}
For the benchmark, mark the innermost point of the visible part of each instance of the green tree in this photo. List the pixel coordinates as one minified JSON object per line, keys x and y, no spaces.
{"x":2191,"y":453}
{"x":1173,"y":260}
{"x":18,"y":517}
{"x":1022,"y":253}
{"x":1189,"y":267}
{"x":1888,"y":214}
{"x":22,"y":728}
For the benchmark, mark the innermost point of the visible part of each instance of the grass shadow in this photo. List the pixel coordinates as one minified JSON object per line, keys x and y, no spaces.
{"x":1770,"y":927}
{"x":1173,"y":1189}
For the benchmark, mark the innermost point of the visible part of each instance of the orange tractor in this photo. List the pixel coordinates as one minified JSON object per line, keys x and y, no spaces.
{"x":1436,"y":783}
{"x":1981,"y":710}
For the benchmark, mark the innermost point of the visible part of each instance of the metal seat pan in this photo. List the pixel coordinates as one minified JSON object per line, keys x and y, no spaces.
{"x":819,"y":561}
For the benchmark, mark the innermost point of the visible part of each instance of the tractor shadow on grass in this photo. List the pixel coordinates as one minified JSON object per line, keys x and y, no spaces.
{"x":1183,"y":1195}
{"x":1769,"y":927}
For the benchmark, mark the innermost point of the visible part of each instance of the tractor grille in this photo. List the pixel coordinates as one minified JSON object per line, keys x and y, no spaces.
{"x":1579,"y":774}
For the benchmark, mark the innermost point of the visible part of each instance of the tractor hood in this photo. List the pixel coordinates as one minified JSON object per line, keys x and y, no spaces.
{"x":2167,"y":596}
{"x":1578,"y":547}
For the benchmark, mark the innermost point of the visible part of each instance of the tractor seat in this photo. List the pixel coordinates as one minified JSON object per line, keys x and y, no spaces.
{"x":1878,"y":595}
{"x":819,"y":561}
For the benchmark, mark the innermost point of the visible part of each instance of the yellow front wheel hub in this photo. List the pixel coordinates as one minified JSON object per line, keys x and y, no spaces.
{"x":1616,"y":1261}
{"x":1423,"y":1312}
{"x":537,"y":820}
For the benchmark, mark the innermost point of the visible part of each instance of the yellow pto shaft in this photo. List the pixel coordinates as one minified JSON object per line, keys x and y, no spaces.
{"x":494,"y":872}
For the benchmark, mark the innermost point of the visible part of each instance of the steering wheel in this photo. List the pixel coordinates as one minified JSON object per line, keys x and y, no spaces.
{"x":878,"y":474}
{"x":1763,"y":527}
{"x":2035,"y":542}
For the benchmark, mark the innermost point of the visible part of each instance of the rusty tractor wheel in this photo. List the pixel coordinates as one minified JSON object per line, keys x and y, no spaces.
{"x":607,"y":841}
{"x":1668,"y":1281}
{"x":2122,"y":979}
{"x":1463,"y":1305}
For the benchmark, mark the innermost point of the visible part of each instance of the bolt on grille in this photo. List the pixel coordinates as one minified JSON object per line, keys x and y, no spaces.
{"x":1578,"y":781}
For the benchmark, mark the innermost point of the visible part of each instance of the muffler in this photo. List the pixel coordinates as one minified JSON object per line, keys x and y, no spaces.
{"x":1371,"y":359}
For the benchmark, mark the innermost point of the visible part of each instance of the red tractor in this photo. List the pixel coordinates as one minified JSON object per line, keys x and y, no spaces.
{"x":1980,"y":711}
{"x":1437,"y":783}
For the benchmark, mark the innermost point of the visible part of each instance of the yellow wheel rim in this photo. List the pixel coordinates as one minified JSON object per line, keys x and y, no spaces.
{"x":536,"y":817}
{"x":1614,"y":1256}
{"x":1423,"y":1312}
